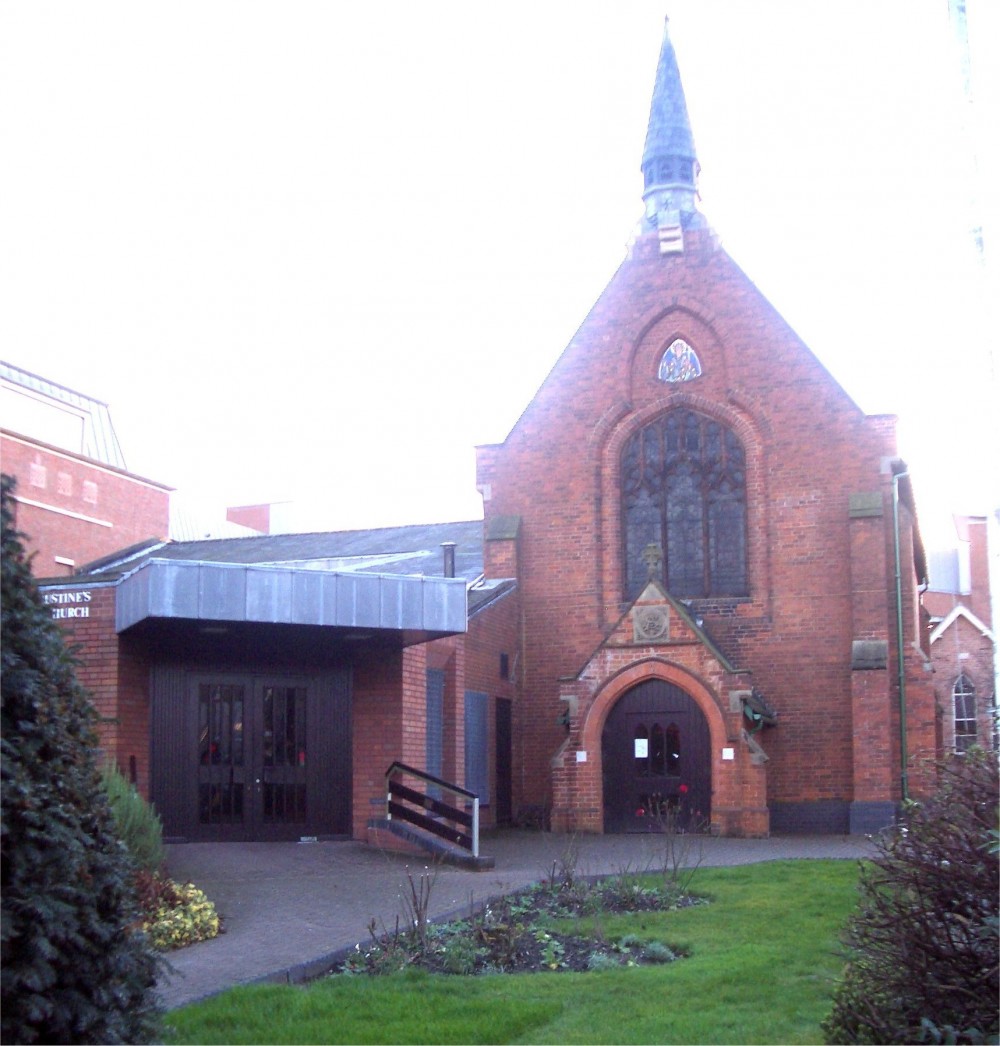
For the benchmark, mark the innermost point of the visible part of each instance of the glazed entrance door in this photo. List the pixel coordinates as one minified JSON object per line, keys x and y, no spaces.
{"x":253,"y":758}
{"x":656,"y":759}
{"x":250,"y":755}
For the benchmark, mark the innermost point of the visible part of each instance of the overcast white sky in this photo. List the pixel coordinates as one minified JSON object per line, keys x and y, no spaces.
{"x":324,"y":249}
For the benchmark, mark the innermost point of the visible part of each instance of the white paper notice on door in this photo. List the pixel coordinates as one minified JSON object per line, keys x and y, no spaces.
{"x":641,"y":747}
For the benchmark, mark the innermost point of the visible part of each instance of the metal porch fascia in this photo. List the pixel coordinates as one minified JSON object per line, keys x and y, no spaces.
{"x":202,"y":591}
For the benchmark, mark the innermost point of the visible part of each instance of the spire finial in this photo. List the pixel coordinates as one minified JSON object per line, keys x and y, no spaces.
{"x":669,"y":162}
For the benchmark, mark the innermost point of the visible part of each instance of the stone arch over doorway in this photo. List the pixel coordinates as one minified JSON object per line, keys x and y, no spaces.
{"x":697,"y":696}
{"x":656,"y":760}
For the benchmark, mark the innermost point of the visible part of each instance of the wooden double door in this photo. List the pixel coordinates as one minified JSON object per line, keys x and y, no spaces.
{"x":656,"y":756}
{"x":252,"y":757}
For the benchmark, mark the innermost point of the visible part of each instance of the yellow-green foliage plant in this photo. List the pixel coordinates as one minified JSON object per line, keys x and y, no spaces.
{"x":173,"y":915}
{"x":183,"y":915}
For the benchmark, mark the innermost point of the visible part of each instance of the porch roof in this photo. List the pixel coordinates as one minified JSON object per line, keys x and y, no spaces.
{"x":195,"y":590}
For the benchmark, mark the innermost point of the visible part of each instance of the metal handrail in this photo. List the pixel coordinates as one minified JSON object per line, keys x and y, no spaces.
{"x":468,"y":840}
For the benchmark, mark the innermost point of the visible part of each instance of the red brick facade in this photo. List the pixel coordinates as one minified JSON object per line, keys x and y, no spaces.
{"x":820,"y":575}
{"x":73,"y":510}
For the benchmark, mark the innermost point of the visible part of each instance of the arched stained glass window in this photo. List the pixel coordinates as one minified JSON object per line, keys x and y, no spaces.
{"x":679,"y":362}
{"x":964,"y":692}
{"x":684,"y":491}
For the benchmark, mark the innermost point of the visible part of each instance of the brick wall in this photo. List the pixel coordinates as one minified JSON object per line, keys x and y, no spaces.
{"x":77,"y":510}
{"x":377,"y":727}
{"x":86,"y":615}
{"x":494,"y":631}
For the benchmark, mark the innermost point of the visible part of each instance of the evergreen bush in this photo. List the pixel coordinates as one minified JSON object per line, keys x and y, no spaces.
{"x":923,"y":944}
{"x":138,"y":825}
{"x":74,"y":969}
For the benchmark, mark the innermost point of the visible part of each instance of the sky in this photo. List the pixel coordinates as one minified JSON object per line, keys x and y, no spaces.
{"x":318,"y":251}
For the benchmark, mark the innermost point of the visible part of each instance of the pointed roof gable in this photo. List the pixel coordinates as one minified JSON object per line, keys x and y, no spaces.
{"x":960,"y":612}
{"x":655,"y":617}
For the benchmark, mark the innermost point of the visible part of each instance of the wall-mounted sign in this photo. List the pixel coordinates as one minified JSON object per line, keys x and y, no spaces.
{"x":68,"y":604}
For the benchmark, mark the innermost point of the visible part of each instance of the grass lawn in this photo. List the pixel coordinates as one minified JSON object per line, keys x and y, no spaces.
{"x":761,"y":961}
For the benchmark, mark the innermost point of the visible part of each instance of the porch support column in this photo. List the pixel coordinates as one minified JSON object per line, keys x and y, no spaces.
{"x":577,"y":787}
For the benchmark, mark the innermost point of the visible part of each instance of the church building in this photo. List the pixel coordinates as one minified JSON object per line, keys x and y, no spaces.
{"x":711,"y":542}
{"x":694,"y":594}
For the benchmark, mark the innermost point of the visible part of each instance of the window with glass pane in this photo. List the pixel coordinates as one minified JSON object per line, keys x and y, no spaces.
{"x":284,"y":748}
{"x":684,"y":490}
{"x":964,"y":693}
{"x":220,"y":754}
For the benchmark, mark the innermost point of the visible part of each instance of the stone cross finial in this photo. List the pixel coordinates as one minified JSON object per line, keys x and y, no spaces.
{"x":652,"y":556}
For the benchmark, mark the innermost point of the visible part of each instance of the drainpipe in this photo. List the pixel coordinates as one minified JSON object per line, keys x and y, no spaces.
{"x":900,"y":650}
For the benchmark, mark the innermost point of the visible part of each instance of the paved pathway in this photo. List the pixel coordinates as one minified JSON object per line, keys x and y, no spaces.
{"x":291,"y":909}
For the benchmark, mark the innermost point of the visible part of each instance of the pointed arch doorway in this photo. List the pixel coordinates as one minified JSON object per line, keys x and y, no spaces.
{"x":656,"y":754}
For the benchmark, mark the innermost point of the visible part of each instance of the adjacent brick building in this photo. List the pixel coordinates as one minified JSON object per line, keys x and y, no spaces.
{"x":963,"y":643}
{"x":76,"y":500}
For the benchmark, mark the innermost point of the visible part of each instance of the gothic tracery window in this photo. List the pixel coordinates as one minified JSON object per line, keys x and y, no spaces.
{"x":684,"y":491}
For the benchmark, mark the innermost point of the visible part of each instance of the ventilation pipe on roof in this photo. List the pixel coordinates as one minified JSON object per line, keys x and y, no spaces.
{"x":448,"y":547}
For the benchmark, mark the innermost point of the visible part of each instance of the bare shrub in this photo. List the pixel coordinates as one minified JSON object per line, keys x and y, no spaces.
{"x":923,"y":945}
{"x":681,"y":840}
{"x":416,"y":901}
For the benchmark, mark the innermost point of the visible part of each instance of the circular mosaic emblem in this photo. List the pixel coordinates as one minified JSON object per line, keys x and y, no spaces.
{"x":650,"y":623}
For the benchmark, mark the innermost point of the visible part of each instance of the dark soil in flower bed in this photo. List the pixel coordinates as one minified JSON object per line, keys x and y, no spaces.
{"x":514,"y":934}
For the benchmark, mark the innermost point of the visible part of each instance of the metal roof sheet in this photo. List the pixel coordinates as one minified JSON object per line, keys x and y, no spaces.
{"x":98,"y":438}
{"x":413,"y":550}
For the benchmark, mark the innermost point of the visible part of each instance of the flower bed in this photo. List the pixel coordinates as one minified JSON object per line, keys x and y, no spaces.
{"x":517,"y":934}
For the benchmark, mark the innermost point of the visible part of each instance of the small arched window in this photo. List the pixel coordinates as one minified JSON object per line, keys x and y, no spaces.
{"x":657,"y":752}
{"x":684,"y":492}
{"x":964,"y":693}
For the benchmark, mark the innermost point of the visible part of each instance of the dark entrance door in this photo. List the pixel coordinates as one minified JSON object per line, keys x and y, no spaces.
{"x":504,"y":762}
{"x":656,"y":760}
{"x":262,"y":757}
{"x":253,"y":758}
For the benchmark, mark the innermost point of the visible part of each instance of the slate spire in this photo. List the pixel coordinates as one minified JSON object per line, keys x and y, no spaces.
{"x":669,"y":162}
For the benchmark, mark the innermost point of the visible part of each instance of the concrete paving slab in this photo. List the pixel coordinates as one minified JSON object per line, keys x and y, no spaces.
{"x":291,"y":909}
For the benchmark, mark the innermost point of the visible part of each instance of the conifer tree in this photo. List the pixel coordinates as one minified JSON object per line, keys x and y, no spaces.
{"x":74,"y":970}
